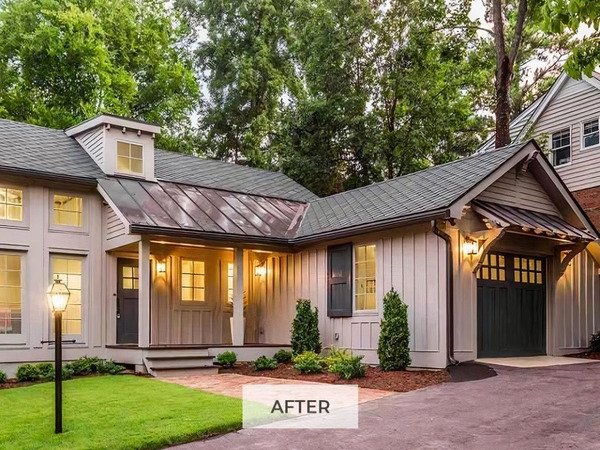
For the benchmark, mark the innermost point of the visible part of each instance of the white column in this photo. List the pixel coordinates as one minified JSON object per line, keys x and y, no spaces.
{"x":238,"y":297}
{"x":144,"y":294}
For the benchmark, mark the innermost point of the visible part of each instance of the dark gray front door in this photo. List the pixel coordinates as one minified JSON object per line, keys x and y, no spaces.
{"x":127,"y":301}
{"x":511,"y":306}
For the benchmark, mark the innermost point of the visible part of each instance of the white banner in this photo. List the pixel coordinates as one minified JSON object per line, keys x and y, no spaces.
{"x":300,"y":406}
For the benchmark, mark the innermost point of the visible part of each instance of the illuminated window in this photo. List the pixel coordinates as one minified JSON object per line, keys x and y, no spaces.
{"x":192,"y":280}
{"x":130,"y":277}
{"x":130,"y":158}
{"x":11,"y":203}
{"x":230,"y":283}
{"x":69,"y":270}
{"x":528,"y":270}
{"x":493,"y":267}
{"x":68,"y":210}
{"x":10,"y":294}
{"x":364,"y":278}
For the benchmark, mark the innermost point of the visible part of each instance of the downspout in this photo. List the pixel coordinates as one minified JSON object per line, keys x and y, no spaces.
{"x":449,"y":292}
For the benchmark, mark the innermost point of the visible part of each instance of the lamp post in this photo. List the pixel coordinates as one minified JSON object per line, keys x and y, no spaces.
{"x":58,"y":296}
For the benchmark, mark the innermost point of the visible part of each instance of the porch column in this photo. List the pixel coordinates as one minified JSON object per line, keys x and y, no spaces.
{"x":144,"y":293}
{"x":238,"y":297}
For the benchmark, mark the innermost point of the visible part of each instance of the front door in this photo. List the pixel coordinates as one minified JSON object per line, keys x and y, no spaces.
{"x":511,"y":306}
{"x":127,"y":301}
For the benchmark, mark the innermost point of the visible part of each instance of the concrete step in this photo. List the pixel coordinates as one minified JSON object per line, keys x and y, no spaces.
{"x":187,"y":372}
{"x":178,"y":362}
{"x":164,"y":352}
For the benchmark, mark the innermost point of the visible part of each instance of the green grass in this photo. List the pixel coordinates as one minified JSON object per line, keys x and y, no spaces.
{"x":113,"y":412}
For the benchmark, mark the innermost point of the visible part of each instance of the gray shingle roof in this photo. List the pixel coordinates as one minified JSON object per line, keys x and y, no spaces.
{"x":44,"y":151}
{"x":211,"y":173}
{"x":421,"y":192}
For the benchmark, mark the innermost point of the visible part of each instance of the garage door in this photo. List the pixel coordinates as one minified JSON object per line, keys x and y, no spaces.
{"x":511,"y":306}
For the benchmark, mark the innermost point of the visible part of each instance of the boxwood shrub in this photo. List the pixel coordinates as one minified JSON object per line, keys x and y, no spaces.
{"x":226,"y":359}
{"x":265,"y":363}
{"x":308,"y":362}
{"x":394,"y":338}
{"x":2,"y":377}
{"x":28,"y":372}
{"x":283,"y":356}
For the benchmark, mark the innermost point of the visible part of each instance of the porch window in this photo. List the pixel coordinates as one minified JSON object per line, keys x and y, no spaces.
{"x":69,"y":270}
{"x":10,"y":294}
{"x":130,"y":158}
{"x":192,"y":280}
{"x":230,"y":283}
{"x":561,"y":147}
{"x":68,"y":210}
{"x":364,"y":278}
{"x":591,"y":135}
{"x":11,"y":203}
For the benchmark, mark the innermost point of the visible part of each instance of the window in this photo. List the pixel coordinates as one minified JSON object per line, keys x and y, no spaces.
{"x":192,"y":280}
{"x":528,"y":270}
{"x":591,"y":135}
{"x":561,"y":147}
{"x":10,"y":294}
{"x":11,"y":203}
{"x":69,"y":270}
{"x":493,"y":267}
{"x":68,"y":210}
{"x":230,"y":283}
{"x":130,"y":158}
{"x":130,"y":277}
{"x":364,"y":278}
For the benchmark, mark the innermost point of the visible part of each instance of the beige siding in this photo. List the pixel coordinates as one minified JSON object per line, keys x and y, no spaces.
{"x":521,"y":190}
{"x":576,"y":102}
{"x":93,"y":143}
{"x":114,"y":226}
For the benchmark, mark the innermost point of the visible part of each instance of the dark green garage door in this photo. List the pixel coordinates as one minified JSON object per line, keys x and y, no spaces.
{"x":511,"y":306}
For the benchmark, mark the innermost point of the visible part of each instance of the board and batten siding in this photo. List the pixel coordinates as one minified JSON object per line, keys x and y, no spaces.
{"x":93,"y":143}
{"x":413,"y":261}
{"x":575,"y":103}
{"x":520,"y":190}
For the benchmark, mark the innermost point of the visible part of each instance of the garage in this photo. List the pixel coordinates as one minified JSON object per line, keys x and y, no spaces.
{"x":511,"y":306}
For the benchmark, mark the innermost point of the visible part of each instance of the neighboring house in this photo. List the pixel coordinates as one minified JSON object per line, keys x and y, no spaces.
{"x":171,"y":258}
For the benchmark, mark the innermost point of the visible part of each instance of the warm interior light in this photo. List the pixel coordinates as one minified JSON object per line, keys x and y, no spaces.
{"x":471,"y":247}
{"x":58,"y":295}
{"x":161,"y":266}
{"x":260,"y":270}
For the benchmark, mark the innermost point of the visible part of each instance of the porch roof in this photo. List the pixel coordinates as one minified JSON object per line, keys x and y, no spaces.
{"x":185,"y":210}
{"x":539,"y":223}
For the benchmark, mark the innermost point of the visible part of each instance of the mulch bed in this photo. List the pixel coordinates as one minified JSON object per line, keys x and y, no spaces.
{"x":586,"y":355}
{"x":400,"y":381}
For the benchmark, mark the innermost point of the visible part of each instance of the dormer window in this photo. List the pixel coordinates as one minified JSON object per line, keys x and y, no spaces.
{"x":591,"y":136}
{"x":130,"y":158}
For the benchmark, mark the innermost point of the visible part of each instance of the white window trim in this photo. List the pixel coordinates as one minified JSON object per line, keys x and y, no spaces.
{"x":552,"y":133}
{"x":21,"y":338}
{"x":79,"y":338}
{"x":207,"y":304}
{"x":84,"y":228}
{"x":581,"y":126}
{"x":130,"y":174}
{"x":22,"y":224}
{"x":364,"y":312}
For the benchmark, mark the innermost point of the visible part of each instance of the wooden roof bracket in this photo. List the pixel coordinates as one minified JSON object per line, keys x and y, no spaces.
{"x":562,"y":262}
{"x":494,"y":235}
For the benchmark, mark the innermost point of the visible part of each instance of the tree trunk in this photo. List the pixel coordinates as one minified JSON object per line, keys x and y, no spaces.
{"x":503,"y":107}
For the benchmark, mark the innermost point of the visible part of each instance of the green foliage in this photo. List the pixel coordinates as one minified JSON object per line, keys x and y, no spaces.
{"x":62,"y":61}
{"x":305,"y":328}
{"x":46,"y":371}
{"x":343,"y":363}
{"x":226,"y":359}
{"x":394,"y":337}
{"x":92,"y":365}
{"x":265,"y":363}
{"x":28,"y":372}
{"x":283,"y":356}
{"x":2,"y":377}
{"x":595,"y":342}
{"x":308,"y":362}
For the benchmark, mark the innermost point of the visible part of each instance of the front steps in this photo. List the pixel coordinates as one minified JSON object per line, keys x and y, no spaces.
{"x":166,"y":363}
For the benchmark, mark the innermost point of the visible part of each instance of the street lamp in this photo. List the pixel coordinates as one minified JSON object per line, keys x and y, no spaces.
{"x":58,"y":296}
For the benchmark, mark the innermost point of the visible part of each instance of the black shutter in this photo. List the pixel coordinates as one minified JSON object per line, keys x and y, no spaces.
{"x":339,"y":281}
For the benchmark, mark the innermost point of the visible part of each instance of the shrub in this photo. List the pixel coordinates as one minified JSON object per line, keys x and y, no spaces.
{"x":46,"y":371}
{"x":110,"y":367}
{"x":2,"y":377}
{"x":305,"y":328}
{"x":226,"y":359}
{"x":335,"y":354}
{"x":89,"y":365}
{"x":595,"y":342}
{"x":265,"y":363}
{"x":283,"y":356}
{"x":308,"y":362}
{"x":28,"y":372}
{"x":348,"y":367}
{"x":394,"y":338}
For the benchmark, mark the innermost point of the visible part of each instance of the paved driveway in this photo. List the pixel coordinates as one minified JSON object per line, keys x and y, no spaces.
{"x":553,"y":407}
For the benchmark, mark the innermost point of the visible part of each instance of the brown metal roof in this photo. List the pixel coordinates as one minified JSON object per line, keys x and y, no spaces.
{"x":181,"y":209}
{"x":539,"y":223}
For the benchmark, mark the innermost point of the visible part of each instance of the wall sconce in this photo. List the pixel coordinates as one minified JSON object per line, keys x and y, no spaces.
{"x":471,"y":247}
{"x":260,"y":270}
{"x":161,"y":266}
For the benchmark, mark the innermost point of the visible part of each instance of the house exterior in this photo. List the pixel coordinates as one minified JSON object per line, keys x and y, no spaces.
{"x":172,"y":258}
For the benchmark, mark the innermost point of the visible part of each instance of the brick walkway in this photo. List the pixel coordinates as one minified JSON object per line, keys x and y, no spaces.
{"x":230,"y":384}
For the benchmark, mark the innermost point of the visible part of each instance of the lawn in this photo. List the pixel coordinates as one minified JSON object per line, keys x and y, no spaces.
{"x":113,"y":412}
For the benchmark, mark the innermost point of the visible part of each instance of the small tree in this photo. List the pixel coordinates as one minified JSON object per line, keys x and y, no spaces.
{"x":394,"y":338}
{"x":305,"y":328}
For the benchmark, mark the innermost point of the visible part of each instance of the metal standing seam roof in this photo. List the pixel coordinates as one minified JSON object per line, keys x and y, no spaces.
{"x":537,"y":222}
{"x":180,"y":208}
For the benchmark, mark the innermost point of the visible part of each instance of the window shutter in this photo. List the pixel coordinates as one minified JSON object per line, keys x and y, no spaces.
{"x":339,"y":281}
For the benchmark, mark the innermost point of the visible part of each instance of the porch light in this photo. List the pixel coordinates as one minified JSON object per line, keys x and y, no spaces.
{"x":161,"y":266}
{"x":470,"y":247}
{"x":260,"y":270}
{"x":58,"y":296}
